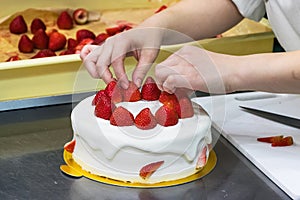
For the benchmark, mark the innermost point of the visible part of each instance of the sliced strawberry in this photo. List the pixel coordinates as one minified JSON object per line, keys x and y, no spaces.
{"x":37,"y":24}
{"x":25,"y":44}
{"x":166,"y":116}
{"x":163,"y":7}
{"x":113,"y":30}
{"x":71,"y":43}
{"x":64,"y":21}
{"x":114,"y":92}
{"x":44,"y":53}
{"x":121,"y":117}
{"x":82,"y":43}
{"x":202,"y":159}
{"x":80,"y":16}
{"x":270,"y":139}
{"x":69,"y":147}
{"x":83,"y":34}
{"x":286,"y":141}
{"x":185,"y":108}
{"x":57,"y":41}
{"x":67,"y":52}
{"x":18,"y":25}
{"x":13,"y":58}
{"x":104,"y":108}
{"x":169,"y":100}
{"x":132,"y":93}
{"x":98,"y":96}
{"x":100,"y":38}
{"x":145,"y":120}
{"x":150,"y":91}
{"x":40,"y":39}
{"x":149,"y":169}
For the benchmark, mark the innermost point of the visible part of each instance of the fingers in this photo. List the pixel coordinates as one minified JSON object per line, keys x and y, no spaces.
{"x":145,"y":61}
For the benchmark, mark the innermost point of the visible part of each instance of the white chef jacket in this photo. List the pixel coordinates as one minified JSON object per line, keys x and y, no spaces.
{"x":283,"y":15}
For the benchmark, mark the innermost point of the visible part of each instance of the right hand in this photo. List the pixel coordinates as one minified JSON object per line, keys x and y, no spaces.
{"x":142,"y":43}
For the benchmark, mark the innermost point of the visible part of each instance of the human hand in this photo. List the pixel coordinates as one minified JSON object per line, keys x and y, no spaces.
{"x":142,"y":43}
{"x":195,"y":69}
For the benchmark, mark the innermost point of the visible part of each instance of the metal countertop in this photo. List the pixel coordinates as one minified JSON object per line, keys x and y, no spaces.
{"x":31,"y":147}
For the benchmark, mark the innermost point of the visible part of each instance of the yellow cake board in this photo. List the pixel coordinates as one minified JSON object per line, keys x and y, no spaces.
{"x":73,"y":169}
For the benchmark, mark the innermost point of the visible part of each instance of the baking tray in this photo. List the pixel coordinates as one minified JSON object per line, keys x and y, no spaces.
{"x":64,"y":75}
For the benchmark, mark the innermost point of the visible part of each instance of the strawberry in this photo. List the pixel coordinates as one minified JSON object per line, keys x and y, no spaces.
{"x":163,"y":7}
{"x":40,"y":39}
{"x":67,"y":52}
{"x":84,"y":33}
{"x":286,"y":141}
{"x":270,"y":139}
{"x":49,"y":32}
{"x":114,"y":92}
{"x":121,"y":117}
{"x":98,"y":96}
{"x":57,"y":41}
{"x":13,"y":58}
{"x":80,"y":16}
{"x":18,"y":25}
{"x":202,"y":159}
{"x":145,"y":120}
{"x":64,"y":21}
{"x":132,"y":93}
{"x":149,"y":169}
{"x":150,"y":90}
{"x":166,"y":116}
{"x":25,"y":44}
{"x":169,"y":100}
{"x":44,"y":53}
{"x":69,"y":147}
{"x":37,"y":24}
{"x":100,"y":38}
{"x":104,"y":107}
{"x":82,"y":43}
{"x":113,"y":30}
{"x":71,"y":43}
{"x":185,"y":108}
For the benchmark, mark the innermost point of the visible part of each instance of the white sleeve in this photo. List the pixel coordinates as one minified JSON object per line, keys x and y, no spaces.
{"x":252,"y":9}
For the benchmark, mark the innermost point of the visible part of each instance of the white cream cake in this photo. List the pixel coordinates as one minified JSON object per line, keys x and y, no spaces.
{"x":121,"y":152}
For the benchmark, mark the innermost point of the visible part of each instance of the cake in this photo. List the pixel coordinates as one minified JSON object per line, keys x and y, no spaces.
{"x":140,"y":152}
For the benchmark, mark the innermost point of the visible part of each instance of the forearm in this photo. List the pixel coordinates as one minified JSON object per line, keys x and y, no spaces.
{"x":197,"y":18}
{"x":273,"y":72}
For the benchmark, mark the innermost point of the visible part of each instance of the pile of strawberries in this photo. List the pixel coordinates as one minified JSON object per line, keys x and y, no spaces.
{"x":48,"y":43}
{"x":175,"y":106}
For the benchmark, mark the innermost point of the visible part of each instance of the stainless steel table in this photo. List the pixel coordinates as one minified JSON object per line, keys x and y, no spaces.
{"x":31,"y":147}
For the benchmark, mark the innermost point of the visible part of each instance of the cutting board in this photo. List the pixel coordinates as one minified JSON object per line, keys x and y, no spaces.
{"x":241,"y":129}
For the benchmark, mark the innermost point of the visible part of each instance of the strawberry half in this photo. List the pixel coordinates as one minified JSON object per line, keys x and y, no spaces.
{"x":57,"y":41}
{"x":286,"y":141}
{"x":82,"y":43}
{"x":270,"y":139}
{"x":114,"y":92}
{"x":64,"y":21}
{"x":148,"y":170}
{"x":25,"y":44}
{"x":18,"y":25}
{"x":185,"y":108}
{"x":104,"y":108}
{"x":202,"y":159}
{"x":83,"y":34}
{"x":69,"y":147}
{"x":40,"y":39}
{"x":67,"y":52}
{"x":113,"y":30}
{"x":37,"y":24}
{"x":132,"y":93}
{"x":13,"y":58}
{"x":166,"y":116}
{"x":121,"y":117}
{"x":44,"y":53}
{"x":163,"y":7}
{"x":98,"y":96}
{"x":71,"y":43}
{"x":150,"y":91}
{"x":145,"y":120}
{"x":100,"y":38}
